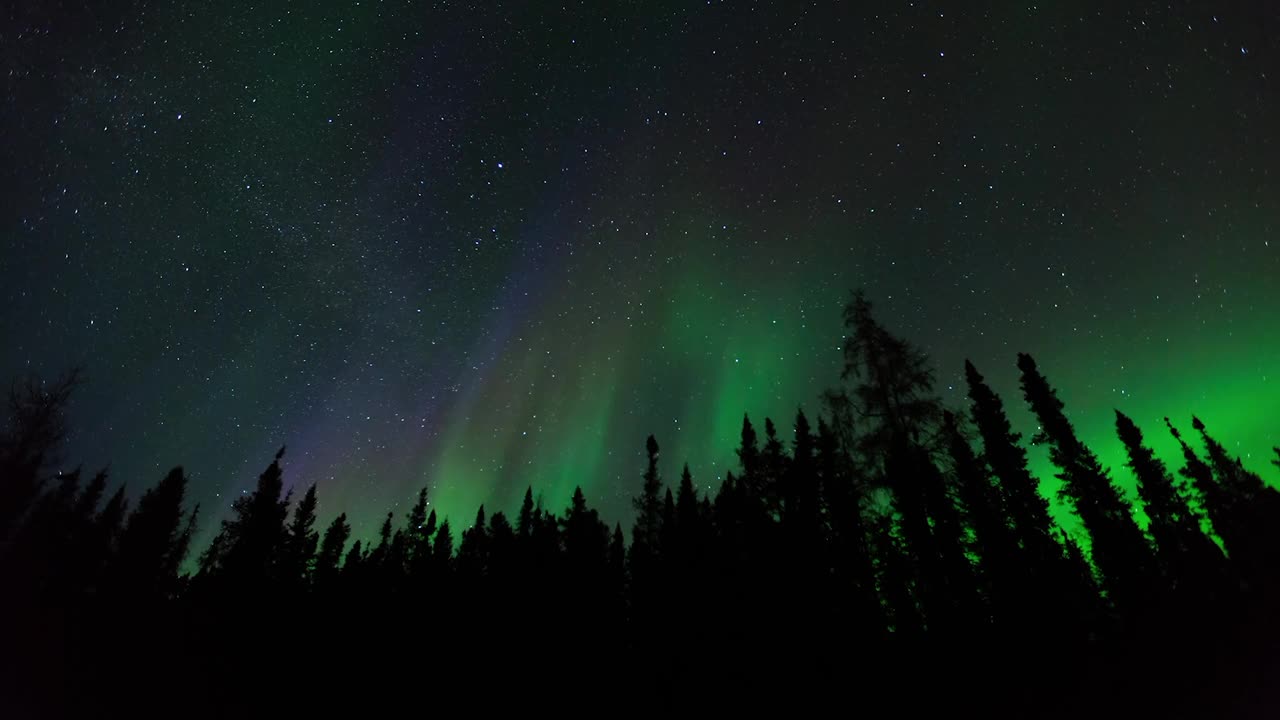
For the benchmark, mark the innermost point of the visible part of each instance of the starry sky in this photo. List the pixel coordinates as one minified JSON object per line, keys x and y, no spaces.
{"x":483,"y":246}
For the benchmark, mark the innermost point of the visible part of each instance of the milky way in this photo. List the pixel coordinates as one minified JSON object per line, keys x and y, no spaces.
{"x":483,"y":247}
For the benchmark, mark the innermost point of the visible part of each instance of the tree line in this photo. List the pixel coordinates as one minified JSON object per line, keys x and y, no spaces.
{"x":893,"y":553}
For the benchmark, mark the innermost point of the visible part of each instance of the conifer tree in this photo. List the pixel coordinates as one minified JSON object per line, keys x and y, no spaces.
{"x":1250,"y":512}
{"x":995,"y":542}
{"x":250,"y":544}
{"x":1120,"y":550}
{"x":32,"y":434}
{"x":302,"y":539}
{"x":442,"y":548}
{"x":1027,"y":509}
{"x":331,"y":547}
{"x":1185,"y":553}
{"x":687,"y":517}
{"x":152,"y":546}
{"x":353,"y":564}
{"x":852,"y":564}
{"x":474,"y":548}
{"x":378,"y":556}
{"x":800,"y":507}
{"x":646,"y":532}
{"x":586,"y":539}
{"x":524,"y":523}
{"x":667,"y":537}
{"x":749,"y":452}
{"x":773,"y":470}
{"x":894,"y":397}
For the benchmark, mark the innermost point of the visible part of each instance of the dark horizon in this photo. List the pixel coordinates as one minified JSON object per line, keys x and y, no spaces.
{"x":890,"y":529}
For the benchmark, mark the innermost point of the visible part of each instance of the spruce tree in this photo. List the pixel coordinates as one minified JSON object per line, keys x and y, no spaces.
{"x":378,"y":556}
{"x":688,"y":523}
{"x":646,"y":532}
{"x":1250,"y":511}
{"x":1187,"y":556}
{"x":524,"y":522}
{"x":474,"y":549}
{"x":800,"y":498}
{"x":851,"y":560}
{"x":1120,"y":550}
{"x":442,"y":549}
{"x":420,"y":527}
{"x":152,"y":546}
{"x":250,"y":545}
{"x":994,"y":539}
{"x":893,"y":395}
{"x":331,"y":547}
{"x":1027,"y":510}
{"x":302,"y":540}
{"x":32,"y":434}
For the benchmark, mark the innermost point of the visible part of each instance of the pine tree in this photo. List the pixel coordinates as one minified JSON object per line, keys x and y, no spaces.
{"x":749,"y":453}
{"x":894,"y":397}
{"x":689,"y":532}
{"x":618,"y":559}
{"x":302,"y":540}
{"x":87,"y":503}
{"x":1027,"y":509}
{"x":1120,"y":550}
{"x":502,"y":547}
{"x":1187,"y":556}
{"x":801,"y":508}
{"x":586,"y":539}
{"x":250,"y":546}
{"x":667,"y":540}
{"x":853,"y":569}
{"x":353,"y":564}
{"x":335,"y":540}
{"x":773,"y":471}
{"x":442,"y":548}
{"x":420,"y":527}
{"x":524,"y":523}
{"x":1249,"y":510}
{"x":473,"y":551}
{"x":995,"y":541}
{"x":32,"y":434}
{"x":151,"y":545}
{"x":646,"y":532}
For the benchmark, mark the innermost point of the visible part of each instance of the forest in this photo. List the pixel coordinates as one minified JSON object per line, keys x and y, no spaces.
{"x":887,"y":555}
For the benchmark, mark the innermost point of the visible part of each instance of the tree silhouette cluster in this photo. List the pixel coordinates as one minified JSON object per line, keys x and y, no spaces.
{"x":894,"y":555}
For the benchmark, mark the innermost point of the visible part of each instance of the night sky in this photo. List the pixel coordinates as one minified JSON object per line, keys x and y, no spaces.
{"x":486,"y":246}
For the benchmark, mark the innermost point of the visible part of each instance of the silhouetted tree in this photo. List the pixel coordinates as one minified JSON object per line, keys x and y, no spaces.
{"x":301,"y":540}
{"x":33,"y":432}
{"x":1120,"y":550}
{"x":353,"y":564}
{"x":331,"y":547}
{"x":442,"y":548}
{"x":1187,"y":556}
{"x":251,"y":543}
{"x":378,"y":556}
{"x":851,"y":560}
{"x":646,"y":532}
{"x":473,"y":552}
{"x":1248,"y":513}
{"x":524,"y":523}
{"x":154,"y":541}
{"x":1051,"y":579}
{"x":801,"y":517}
{"x":893,"y":396}
{"x":995,"y":541}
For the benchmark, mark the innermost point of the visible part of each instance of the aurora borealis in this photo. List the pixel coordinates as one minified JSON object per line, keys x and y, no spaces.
{"x":483,"y":247}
